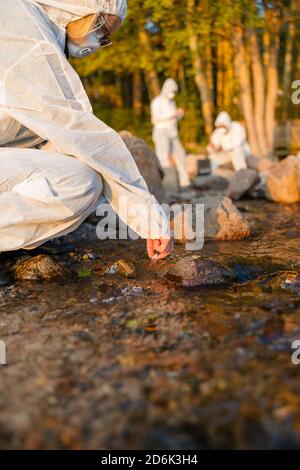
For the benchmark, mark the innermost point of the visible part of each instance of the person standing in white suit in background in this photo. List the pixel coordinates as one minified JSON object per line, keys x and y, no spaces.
{"x":228,"y":144}
{"x":165,"y":117}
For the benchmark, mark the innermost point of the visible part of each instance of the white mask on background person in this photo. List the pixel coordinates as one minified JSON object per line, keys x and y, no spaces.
{"x":90,"y":45}
{"x":171,"y":96}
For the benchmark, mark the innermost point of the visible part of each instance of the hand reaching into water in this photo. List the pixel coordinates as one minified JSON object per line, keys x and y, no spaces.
{"x":161,"y":248}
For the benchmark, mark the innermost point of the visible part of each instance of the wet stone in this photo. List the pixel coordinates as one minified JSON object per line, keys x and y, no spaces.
{"x":283,"y":182}
{"x":147,"y":163}
{"x":40,"y":267}
{"x":194,"y":271}
{"x":4,"y":278}
{"x":242,"y":182}
{"x":289,"y":281}
{"x":211,"y":182}
{"x":123,"y":267}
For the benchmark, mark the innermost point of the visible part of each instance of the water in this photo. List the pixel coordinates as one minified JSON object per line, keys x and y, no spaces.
{"x":109,"y":362}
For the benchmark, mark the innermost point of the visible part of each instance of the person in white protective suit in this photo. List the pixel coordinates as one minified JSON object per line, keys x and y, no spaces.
{"x":56,"y":158}
{"x":165,"y":116}
{"x":228,"y":144}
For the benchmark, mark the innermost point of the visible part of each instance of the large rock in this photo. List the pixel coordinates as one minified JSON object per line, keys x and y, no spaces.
{"x":242,"y":182}
{"x":261,"y":165}
{"x":194,"y":271}
{"x":222,"y":221}
{"x":147,"y":163}
{"x":283,"y":182}
{"x":211,"y":183}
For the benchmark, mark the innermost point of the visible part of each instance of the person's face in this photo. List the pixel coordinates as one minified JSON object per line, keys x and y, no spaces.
{"x":105,"y":26}
{"x":224,"y":128}
{"x":98,"y":37}
{"x":171,"y":95}
{"x":112,"y":22}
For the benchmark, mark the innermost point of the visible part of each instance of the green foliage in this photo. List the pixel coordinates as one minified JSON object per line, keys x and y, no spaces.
{"x":108,"y":74}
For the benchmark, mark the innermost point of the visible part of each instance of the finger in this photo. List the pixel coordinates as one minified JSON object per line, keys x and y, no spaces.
{"x":150,"y":248}
{"x":163,"y":255}
{"x":157,"y":244}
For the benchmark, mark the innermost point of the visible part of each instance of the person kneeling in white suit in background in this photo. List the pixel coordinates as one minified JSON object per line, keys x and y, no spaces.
{"x":228,"y":144}
{"x":165,"y":116}
{"x":56,"y":158}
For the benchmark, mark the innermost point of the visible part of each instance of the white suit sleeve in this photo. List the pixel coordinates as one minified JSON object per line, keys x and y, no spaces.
{"x":236,"y":137}
{"x":162,"y":111}
{"x":44,"y":93}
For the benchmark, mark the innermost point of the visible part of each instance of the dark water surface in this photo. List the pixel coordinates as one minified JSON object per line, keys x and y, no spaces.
{"x":107,"y":362}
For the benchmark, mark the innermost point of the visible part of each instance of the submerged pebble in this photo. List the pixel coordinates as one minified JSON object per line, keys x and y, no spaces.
{"x":40,"y":267}
{"x":123,"y":267}
{"x":194,"y":271}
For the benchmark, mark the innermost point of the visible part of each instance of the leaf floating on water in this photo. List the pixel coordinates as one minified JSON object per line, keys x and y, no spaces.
{"x":132,"y":324}
{"x":85,"y":273}
{"x":151,"y":329}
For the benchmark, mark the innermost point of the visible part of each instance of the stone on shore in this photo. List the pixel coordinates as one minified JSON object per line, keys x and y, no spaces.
{"x":242,"y":182}
{"x":261,"y":165}
{"x":147,"y":162}
{"x":223,"y":221}
{"x":283,"y":181}
{"x":211,"y":183}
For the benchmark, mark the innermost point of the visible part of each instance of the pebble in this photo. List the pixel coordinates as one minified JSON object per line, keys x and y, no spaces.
{"x":88,"y":257}
{"x":123,"y":267}
{"x":40,"y":267}
{"x":195,"y":271}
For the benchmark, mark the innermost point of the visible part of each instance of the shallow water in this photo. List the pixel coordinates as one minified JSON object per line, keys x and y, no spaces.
{"x":107,"y":362}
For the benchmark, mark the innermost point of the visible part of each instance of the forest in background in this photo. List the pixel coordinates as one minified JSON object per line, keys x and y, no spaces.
{"x":235,"y":55}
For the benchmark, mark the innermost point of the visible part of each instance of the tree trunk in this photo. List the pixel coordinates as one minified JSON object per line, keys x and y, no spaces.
{"x":220,"y":73}
{"x":137,"y":101}
{"x":229,"y":76}
{"x":243,"y":74}
{"x":199,"y":75}
{"x":272,"y":87}
{"x":151,"y":75}
{"x":259,"y":93}
{"x":288,"y":61}
{"x":209,"y":67}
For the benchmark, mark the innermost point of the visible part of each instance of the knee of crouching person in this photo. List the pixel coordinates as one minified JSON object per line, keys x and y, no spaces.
{"x":88,"y":187}
{"x":95,"y":185}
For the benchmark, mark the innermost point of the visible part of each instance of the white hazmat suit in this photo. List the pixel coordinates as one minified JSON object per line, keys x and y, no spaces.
{"x":228,"y":143}
{"x":165,"y":132}
{"x":48,"y":191}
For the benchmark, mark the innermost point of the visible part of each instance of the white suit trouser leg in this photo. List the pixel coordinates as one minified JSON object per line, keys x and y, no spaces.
{"x":165,"y":145}
{"x":43,"y":195}
{"x":236,"y":156}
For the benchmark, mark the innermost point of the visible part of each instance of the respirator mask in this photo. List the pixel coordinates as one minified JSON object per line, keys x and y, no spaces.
{"x":97,"y":38}
{"x":171,"y":95}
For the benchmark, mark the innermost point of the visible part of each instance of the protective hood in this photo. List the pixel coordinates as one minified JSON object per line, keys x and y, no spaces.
{"x":223,"y":120}
{"x":61,"y":12}
{"x":170,"y":86}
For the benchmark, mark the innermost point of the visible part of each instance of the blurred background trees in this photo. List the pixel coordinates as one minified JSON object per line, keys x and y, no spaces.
{"x":234,"y":55}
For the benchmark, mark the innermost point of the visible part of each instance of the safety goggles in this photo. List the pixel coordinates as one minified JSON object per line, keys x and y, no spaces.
{"x":102,"y":31}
